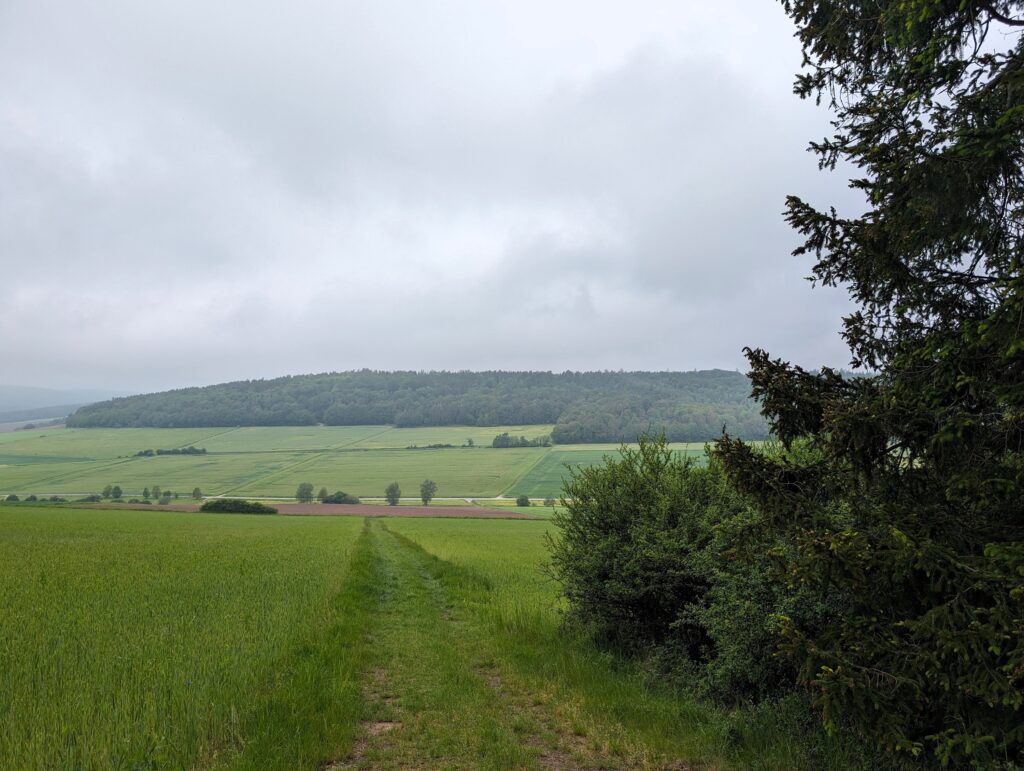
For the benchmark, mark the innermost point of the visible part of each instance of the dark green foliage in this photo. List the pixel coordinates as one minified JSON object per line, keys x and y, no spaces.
{"x":90,"y":499}
{"x":645,"y":552}
{"x":585,"y":406}
{"x":106,"y":491}
{"x":909,"y":503}
{"x":145,"y":493}
{"x":504,"y":439}
{"x":12,"y":498}
{"x":115,"y":492}
{"x":339,"y":497}
{"x":31,"y":499}
{"x":304,"y":492}
{"x":428,"y":488}
{"x":523,"y":500}
{"x":156,"y":491}
{"x":236,"y":506}
{"x":322,"y":494}
{"x":393,"y":494}
{"x":175,"y":451}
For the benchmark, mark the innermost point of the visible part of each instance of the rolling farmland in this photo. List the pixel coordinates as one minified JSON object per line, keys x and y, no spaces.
{"x":271,"y":462}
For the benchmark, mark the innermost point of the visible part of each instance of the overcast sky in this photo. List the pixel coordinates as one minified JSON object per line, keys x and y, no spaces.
{"x":194,"y":192}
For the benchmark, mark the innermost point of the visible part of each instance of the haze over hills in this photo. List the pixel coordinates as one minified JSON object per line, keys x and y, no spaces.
{"x":583,"y":406}
{"x":18,"y":402}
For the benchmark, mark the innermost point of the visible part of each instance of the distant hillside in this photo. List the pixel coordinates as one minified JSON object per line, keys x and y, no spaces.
{"x":584,"y":406}
{"x":18,"y":399}
{"x":38,"y":413}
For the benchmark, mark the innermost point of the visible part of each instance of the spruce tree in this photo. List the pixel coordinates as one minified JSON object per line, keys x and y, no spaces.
{"x":903,"y":494}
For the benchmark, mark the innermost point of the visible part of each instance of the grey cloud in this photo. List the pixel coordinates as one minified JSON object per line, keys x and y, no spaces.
{"x":192,"y":192}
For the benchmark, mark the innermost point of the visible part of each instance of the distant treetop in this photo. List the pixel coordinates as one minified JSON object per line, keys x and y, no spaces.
{"x":582,"y":406}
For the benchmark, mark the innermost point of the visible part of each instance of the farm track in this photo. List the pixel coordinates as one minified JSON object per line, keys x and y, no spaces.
{"x":435,"y":696}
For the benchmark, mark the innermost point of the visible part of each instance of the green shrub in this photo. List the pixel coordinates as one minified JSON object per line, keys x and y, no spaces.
{"x":236,"y":506}
{"x":648,"y":552}
{"x":340,"y":497}
{"x":12,"y":498}
{"x":523,"y":500}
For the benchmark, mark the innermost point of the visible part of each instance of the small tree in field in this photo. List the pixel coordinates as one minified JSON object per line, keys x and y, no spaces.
{"x":197,"y":493}
{"x":156,"y":491}
{"x":428,"y":487}
{"x":115,"y":492}
{"x":549,"y":501}
{"x":145,"y":493}
{"x":304,"y":492}
{"x":106,"y":491}
{"x":523,"y":500}
{"x":322,"y":494}
{"x":393,"y":494}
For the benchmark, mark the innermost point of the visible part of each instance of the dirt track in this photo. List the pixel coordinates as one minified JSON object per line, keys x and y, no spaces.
{"x":341,"y":510}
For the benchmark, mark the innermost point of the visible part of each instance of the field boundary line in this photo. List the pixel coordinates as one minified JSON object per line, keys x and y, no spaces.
{"x":531,"y":467}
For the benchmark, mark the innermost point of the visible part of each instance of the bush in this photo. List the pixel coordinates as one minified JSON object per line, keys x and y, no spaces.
{"x":523,"y":500}
{"x":236,"y":506}
{"x":646,"y":552}
{"x":12,"y":498}
{"x":393,"y":494}
{"x":340,"y":497}
{"x":90,"y":499}
{"x":31,"y":499}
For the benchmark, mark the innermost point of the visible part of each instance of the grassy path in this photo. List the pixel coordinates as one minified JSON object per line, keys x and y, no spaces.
{"x":434,"y":696}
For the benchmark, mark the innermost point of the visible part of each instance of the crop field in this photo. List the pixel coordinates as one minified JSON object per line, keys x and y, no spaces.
{"x":545,"y":478}
{"x":163,"y":639}
{"x":272,"y":461}
{"x":167,"y":640}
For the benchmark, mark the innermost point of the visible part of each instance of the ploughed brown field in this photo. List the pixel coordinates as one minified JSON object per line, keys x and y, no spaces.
{"x":340,"y":510}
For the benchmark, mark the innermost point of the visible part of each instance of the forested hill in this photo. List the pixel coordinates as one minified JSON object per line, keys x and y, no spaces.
{"x":584,"y":406}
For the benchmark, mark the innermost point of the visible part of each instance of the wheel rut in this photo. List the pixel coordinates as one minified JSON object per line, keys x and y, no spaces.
{"x":435,"y":697}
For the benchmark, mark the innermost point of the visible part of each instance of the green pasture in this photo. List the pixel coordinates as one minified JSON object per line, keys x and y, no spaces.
{"x":272,"y":461}
{"x":461,"y":472}
{"x":545,"y":478}
{"x":158,"y":639}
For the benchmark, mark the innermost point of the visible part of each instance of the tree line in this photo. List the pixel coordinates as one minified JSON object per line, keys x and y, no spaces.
{"x":583,"y":406}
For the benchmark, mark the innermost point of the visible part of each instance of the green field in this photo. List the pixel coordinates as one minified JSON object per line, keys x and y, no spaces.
{"x":166,"y":640}
{"x":132,"y":640}
{"x":272,"y":461}
{"x":545,"y":478}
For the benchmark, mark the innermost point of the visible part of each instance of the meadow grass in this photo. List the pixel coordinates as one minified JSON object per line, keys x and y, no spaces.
{"x":164,"y":640}
{"x":545,"y":478}
{"x":619,"y":717}
{"x":361,"y":460}
{"x":463,"y":472}
{"x":133,"y":639}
